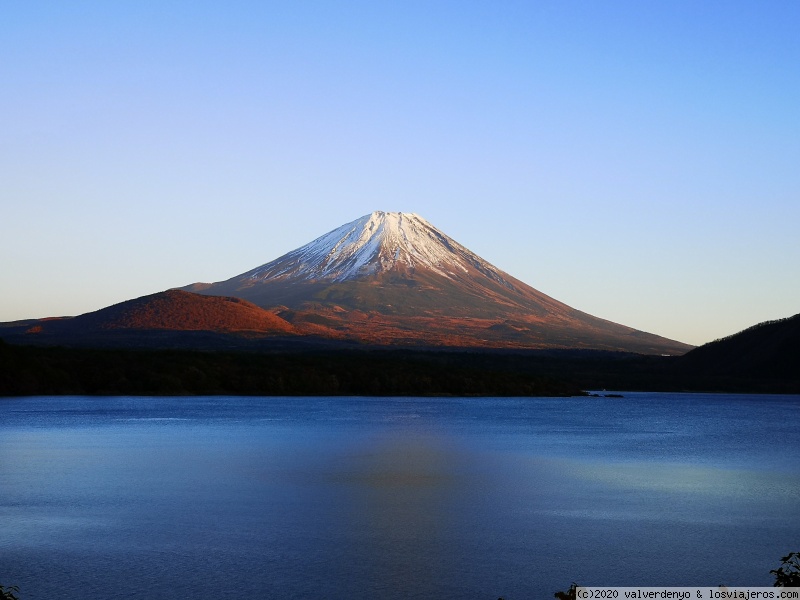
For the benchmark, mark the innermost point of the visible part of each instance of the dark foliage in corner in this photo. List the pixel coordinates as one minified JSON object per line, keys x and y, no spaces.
{"x":570,"y":594}
{"x":788,"y":574}
{"x":9,"y":593}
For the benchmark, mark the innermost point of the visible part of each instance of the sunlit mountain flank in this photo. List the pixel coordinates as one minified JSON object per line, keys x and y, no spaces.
{"x":393,"y":278}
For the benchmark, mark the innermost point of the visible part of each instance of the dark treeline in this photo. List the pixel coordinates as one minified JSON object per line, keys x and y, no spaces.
{"x":27,"y":370}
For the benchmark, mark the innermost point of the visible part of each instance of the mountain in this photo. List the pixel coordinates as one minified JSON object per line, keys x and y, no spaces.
{"x":182,"y":311}
{"x":769,"y":350}
{"x":395,"y":279}
{"x":170,"y":318}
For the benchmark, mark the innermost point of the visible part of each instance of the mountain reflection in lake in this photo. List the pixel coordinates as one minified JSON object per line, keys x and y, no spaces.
{"x":104,"y":498}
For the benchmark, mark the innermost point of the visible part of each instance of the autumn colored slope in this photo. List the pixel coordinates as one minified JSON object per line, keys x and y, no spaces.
{"x":394,"y":279}
{"x":172,"y":310}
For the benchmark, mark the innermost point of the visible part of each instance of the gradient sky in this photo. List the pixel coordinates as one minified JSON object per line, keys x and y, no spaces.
{"x":639,"y":161}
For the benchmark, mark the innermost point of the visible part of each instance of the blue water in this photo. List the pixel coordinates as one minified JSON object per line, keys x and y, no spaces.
{"x":253,"y":498}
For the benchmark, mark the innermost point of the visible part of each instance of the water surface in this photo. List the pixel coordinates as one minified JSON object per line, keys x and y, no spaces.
{"x":109,"y":498}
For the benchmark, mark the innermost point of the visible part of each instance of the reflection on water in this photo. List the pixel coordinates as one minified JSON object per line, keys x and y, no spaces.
{"x":400,"y":490}
{"x":691,"y":480}
{"x":393,"y":498}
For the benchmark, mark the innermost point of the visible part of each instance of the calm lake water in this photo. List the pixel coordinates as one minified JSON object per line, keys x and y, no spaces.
{"x":253,"y":498}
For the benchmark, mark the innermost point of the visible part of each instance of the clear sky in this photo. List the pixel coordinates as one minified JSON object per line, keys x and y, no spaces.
{"x":639,"y":161}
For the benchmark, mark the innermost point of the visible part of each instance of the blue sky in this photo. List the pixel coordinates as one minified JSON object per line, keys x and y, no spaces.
{"x":639,"y":161}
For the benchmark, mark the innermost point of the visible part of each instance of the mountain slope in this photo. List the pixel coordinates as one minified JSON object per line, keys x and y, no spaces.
{"x":393,"y":278}
{"x":173,"y":310}
{"x":766,"y":350}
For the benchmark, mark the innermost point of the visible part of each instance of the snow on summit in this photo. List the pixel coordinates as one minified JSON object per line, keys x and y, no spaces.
{"x":392,"y":278}
{"x":377,"y":242}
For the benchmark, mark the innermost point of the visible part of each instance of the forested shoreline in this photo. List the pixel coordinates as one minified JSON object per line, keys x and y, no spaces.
{"x":31,"y":370}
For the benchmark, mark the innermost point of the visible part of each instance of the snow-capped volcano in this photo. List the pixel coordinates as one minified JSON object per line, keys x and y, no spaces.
{"x":375,"y":243}
{"x":393,"y":278}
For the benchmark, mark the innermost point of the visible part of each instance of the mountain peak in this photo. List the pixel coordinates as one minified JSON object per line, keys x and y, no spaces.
{"x":393,"y":278}
{"x":375,"y":243}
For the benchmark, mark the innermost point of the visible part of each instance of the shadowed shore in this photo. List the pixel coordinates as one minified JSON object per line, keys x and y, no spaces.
{"x":28,"y":370}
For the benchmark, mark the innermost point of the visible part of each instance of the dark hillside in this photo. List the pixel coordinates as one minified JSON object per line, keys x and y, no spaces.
{"x":769,"y":350}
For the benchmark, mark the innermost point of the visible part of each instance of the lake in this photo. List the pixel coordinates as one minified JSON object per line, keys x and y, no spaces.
{"x":104,"y":498}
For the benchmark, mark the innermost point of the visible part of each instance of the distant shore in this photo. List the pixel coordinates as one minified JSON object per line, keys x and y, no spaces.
{"x":29,"y":370}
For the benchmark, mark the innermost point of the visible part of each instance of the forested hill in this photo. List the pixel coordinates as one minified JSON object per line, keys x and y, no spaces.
{"x":769,"y":350}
